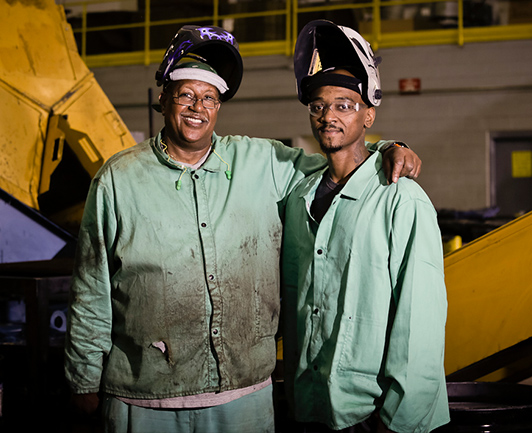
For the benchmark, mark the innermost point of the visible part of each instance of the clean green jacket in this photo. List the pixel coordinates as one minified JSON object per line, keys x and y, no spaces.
{"x":176,"y":288}
{"x":364,"y":305}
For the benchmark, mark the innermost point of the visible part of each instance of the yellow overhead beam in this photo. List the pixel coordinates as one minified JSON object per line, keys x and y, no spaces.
{"x":378,"y":36}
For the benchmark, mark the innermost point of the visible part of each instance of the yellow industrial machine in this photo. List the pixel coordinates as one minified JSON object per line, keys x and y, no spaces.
{"x":57,"y":127}
{"x":489,"y":290}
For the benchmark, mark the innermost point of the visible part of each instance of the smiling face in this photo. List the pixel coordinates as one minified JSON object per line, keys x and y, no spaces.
{"x":189,"y":127}
{"x":335,"y":132}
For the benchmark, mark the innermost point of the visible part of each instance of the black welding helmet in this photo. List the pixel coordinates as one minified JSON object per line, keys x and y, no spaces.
{"x":323,"y":45}
{"x":208,"y":44}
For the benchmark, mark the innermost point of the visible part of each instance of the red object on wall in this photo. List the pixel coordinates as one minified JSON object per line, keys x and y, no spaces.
{"x":409,"y":85}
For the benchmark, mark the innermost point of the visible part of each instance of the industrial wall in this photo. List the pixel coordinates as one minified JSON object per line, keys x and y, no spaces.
{"x":467,"y":94}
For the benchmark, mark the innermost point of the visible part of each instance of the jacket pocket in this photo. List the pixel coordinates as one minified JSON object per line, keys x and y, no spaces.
{"x":362,"y":344}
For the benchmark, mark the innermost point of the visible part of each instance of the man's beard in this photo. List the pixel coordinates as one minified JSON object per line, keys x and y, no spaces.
{"x":329,"y":150}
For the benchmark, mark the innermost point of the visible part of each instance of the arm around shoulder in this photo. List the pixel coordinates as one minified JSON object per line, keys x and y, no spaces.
{"x":398,"y":160}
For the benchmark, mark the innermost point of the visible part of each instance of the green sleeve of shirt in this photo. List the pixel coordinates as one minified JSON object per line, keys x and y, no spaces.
{"x":290,"y":165}
{"x":380,"y":145}
{"x":88,"y":337}
{"x":415,"y":354}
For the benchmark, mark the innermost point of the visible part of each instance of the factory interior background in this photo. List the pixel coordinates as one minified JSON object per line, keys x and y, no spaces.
{"x":77,"y":84}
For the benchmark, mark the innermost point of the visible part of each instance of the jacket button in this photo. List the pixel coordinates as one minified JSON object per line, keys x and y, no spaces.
{"x":203,"y":225}
{"x":320,"y":251}
{"x":215,"y":331}
{"x":196,"y":176}
{"x":211,"y":277}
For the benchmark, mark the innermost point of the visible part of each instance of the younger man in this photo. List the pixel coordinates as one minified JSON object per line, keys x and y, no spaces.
{"x":364,"y":295}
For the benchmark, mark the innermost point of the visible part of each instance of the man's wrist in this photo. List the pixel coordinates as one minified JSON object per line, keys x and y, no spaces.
{"x":394,"y":144}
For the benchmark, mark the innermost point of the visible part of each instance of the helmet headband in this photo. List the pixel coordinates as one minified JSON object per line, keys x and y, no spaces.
{"x":312,"y":82}
{"x":201,"y":72}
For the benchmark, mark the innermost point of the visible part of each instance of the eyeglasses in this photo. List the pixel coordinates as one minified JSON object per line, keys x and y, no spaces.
{"x":341,"y":108}
{"x":189,"y":101}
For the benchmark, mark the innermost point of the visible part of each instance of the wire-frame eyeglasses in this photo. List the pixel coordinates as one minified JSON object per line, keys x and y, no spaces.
{"x":188,"y":101}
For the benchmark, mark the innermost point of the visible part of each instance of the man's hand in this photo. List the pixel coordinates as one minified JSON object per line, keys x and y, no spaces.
{"x":400,"y":162}
{"x":85,"y":404}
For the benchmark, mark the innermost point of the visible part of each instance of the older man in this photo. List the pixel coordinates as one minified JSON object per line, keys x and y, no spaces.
{"x":175,"y":297}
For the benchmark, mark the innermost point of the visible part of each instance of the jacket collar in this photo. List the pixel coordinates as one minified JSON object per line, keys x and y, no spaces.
{"x":355,"y":186}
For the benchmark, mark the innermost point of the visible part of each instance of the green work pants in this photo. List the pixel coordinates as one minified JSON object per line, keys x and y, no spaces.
{"x":252,"y":413}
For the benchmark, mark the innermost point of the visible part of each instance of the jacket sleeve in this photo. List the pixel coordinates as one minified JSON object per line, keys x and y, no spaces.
{"x":381,"y":145}
{"x":417,"y":398}
{"x":88,"y":338}
{"x":290,"y":165}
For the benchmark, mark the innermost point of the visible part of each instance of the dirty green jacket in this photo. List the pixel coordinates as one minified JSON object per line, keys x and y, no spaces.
{"x":176,"y":285}
{"x":364,"y":305}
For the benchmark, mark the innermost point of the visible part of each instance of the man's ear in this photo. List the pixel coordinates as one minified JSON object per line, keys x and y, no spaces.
{"x":370,"y":117}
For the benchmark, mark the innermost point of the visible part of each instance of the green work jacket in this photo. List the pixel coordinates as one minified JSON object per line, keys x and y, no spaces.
{"x":364,"y":305}
{"x":176,"y":285}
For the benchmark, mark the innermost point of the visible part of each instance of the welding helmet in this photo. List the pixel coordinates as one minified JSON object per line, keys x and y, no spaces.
{"x":208,"y":44}
{"x":323,"y":45}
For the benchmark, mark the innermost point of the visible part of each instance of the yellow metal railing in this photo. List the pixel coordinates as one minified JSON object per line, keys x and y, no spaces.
{"x":293,"y":13}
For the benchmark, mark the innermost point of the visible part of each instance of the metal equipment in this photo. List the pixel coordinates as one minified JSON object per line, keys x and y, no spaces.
{"x":57,"y":126}
{"x":489,"y":291}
